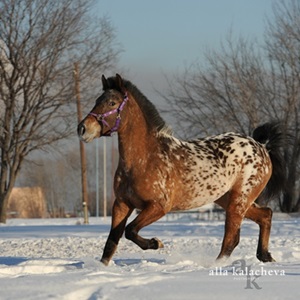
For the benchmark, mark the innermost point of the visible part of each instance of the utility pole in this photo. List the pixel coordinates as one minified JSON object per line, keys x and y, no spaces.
{"x":82,"y":149}
{"x":112,"y":170}
{"x":104,"y":180}
{"x":97,"y":178}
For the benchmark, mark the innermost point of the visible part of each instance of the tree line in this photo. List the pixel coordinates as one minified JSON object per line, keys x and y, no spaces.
{"x":58,"y":175}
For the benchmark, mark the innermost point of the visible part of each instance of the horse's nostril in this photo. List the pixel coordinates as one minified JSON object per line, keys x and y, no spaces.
{"x":81,"y":129}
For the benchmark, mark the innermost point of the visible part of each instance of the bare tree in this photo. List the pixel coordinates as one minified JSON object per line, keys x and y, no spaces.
{"x":39,"y":42}
{"x":224,"y":95}
{"x":243,"y":85}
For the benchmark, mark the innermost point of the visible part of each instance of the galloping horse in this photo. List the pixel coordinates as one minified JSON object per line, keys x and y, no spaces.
{"x":158,"y":173}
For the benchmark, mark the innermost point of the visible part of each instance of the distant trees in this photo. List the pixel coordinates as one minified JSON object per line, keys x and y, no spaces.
{"x":39,"y":42}
{"x":243,"y":85}
{"x":60,"y":179}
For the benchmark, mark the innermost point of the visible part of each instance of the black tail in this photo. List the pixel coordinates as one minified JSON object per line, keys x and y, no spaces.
{"x":271,"y":136}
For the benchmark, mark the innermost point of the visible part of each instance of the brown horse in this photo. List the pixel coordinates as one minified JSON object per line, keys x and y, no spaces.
{"x":158,"y":173}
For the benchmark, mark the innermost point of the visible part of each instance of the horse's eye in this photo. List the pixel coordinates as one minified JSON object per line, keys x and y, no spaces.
{"x":112,"y":103}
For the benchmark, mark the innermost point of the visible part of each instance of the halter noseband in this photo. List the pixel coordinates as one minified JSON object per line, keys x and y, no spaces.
{"x":101,"y":117}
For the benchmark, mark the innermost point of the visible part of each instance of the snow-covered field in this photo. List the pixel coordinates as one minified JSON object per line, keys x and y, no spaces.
{"x":59,"y":259}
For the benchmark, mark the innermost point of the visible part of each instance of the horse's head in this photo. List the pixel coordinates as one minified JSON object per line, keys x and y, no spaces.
{"x":105,"y":117}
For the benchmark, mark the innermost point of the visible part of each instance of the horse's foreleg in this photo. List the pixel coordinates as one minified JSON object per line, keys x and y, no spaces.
{"x":235,"y":208}
{"x":120,"y":213}
{"x":231,"y":234}
{"x":148,"y":215}
{"x":263,"y":217}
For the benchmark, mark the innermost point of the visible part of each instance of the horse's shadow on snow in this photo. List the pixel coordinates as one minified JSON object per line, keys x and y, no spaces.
{"x":12,"y":261}
{"x":133,"y":261}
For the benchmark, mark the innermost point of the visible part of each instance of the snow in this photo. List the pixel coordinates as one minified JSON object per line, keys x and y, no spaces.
{"x":59,"y":259}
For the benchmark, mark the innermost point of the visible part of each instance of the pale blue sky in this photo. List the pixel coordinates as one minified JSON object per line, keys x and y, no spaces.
{"x":162,"y":36}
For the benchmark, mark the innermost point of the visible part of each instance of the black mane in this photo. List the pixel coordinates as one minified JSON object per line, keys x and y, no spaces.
{"x":151,"y":115}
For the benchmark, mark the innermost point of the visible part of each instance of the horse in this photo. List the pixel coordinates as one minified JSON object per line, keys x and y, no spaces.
{"x":158,"y":173}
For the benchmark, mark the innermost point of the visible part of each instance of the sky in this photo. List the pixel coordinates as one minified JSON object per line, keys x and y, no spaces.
{"x":162,"y":37}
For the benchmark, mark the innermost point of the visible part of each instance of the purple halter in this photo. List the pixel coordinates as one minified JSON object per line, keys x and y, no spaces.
{"x":101,"y":117}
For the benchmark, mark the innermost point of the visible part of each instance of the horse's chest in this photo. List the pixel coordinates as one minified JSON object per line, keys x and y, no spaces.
{"x":136,"y":187}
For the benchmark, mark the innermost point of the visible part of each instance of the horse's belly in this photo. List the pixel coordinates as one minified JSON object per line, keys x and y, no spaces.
{"x":194,"y":202}
{"x":200,"y":201}
{"x":197,"y":196}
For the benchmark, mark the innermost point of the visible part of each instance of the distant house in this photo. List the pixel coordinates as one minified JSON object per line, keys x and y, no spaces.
{"x":27,"y":202}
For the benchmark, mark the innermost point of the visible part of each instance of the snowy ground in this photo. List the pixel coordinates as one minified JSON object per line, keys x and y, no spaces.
{"x":57,"y":259}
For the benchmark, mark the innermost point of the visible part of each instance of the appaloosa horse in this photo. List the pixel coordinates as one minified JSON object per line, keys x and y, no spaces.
{"x":158,"y":173}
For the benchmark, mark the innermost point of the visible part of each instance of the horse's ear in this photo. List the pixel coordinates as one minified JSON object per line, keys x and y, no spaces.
{"x":104,"y":83}
{"x":120,"y":83}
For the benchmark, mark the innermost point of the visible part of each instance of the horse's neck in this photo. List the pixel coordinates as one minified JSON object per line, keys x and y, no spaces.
{"x":134,"y":148}
{"x":135,"y":141}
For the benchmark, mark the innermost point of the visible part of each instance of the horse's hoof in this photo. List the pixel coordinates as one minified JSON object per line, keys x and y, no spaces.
{"x":159,"y":243}
{"x":105,"y":261}
{"x":155,"y":243}
{"x":266,"y":257}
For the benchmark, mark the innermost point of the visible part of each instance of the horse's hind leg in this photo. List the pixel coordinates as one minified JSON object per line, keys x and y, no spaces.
{"x":263,"y":217}
{"x":148,"y":215}
{"x":120,"y":213}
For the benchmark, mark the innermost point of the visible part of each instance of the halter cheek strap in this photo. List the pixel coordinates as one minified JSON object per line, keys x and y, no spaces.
{"x":101,"y":117}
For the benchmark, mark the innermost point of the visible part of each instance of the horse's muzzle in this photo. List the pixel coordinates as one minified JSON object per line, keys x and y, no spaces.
{"x":88,"y":129}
